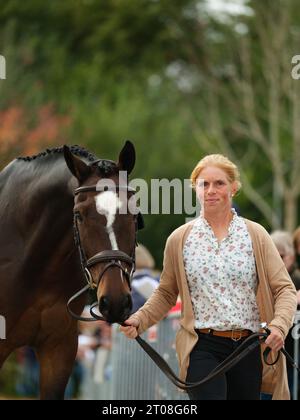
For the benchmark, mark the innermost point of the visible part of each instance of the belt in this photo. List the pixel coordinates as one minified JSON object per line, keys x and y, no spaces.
{"x":235,"y":335}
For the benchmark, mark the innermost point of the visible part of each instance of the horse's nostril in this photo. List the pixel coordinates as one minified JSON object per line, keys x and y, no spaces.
{"x":127,"y":302}
{"x":103,"y":303}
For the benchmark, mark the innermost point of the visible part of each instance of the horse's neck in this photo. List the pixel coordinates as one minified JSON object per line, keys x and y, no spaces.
{"x":53,"y":196}
{"x":45,"y":203}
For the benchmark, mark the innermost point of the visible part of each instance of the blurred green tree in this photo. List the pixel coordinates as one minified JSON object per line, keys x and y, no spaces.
{"x":177,"y":77}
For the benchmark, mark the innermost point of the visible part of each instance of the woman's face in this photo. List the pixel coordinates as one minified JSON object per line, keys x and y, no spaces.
{"x":214,"y":190}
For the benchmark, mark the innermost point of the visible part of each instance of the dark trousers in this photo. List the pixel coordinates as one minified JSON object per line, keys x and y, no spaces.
{"x":242,"y":382}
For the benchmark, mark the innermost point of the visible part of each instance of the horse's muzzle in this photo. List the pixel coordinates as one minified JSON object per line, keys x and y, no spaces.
{"x":115,"y":310}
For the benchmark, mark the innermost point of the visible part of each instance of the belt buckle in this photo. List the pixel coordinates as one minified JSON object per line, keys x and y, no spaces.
{"x":233,"y":332}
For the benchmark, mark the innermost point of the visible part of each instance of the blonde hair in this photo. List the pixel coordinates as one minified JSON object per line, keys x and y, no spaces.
{"x":221,"y":162}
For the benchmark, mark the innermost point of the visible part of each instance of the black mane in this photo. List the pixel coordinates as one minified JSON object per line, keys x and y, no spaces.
{"x":104,"y":166}
{"x":76,"y":150}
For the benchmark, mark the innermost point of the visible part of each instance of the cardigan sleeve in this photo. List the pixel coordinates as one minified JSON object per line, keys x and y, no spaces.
{"x":164,"y":297}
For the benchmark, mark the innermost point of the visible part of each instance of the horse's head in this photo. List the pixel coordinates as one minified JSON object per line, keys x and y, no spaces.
{"x":106,"y":228}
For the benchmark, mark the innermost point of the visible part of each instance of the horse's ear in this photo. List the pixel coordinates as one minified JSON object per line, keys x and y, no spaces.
{"x":127,"y":157}
{"x":78,"y":168}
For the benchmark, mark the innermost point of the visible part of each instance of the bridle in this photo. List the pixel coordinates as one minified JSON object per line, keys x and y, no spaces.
{"x":112,"y":258}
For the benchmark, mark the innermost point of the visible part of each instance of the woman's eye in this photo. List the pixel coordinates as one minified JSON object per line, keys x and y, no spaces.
{"x":202,"y":184}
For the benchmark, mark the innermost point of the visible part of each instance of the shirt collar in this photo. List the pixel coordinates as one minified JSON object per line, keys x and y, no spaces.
{"x":201,"y":221}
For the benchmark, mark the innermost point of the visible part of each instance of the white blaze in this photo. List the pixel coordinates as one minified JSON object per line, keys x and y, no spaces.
{"x":107,"y":204}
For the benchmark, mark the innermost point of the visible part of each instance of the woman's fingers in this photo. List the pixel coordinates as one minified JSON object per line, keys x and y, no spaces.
{"x":131,"y":330}
{"x":275,"y":340}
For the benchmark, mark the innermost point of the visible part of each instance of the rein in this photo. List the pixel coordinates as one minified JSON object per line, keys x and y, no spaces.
{"x":252,"y":342}
{"x":248,"y":345}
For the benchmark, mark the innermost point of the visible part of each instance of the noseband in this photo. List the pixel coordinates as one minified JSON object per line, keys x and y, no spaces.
{"x":113,"y":258}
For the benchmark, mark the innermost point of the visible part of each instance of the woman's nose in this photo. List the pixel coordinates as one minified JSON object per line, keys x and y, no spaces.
{"x":211,"y":189}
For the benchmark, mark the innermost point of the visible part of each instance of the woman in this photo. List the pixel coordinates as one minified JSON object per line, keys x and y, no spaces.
{"x":230,"y":277}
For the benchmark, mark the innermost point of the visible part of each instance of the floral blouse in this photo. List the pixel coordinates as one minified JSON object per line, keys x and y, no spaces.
{"x":222,"y":277}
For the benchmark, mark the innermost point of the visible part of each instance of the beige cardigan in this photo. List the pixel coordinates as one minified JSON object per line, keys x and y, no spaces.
{"x":276,"y":299}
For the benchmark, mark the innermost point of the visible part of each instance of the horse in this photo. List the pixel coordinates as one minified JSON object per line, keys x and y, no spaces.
{"x":40,"y":265}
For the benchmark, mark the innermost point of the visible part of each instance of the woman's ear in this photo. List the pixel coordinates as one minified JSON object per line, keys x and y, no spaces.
{"x":234,"y":188}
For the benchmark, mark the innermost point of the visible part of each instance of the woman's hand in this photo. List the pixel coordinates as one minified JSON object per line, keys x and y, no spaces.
{"x":275,"y":340}
{"x":131,"y":330}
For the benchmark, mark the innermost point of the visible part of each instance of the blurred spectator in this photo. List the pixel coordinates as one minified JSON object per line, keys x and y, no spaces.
{"x":284,"y":243}
{"x":27,"y":384}
{"x":296,"y":240}
{"x":94,"y":345}
{"x":145,"y":279}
